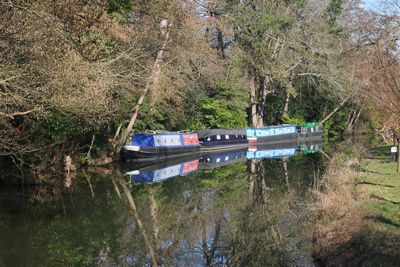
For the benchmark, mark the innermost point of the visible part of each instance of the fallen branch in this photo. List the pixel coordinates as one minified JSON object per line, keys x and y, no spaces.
{"x":90,"y":148}
{"x":335,"y":110}
{"x":5,"y":81}
{"x":151,"y":82}
{"x":12,"y":115}
{"x":117,"y":133}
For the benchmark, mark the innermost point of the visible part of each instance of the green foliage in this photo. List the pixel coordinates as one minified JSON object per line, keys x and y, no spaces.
{"x":217,"y":114}
{"x":61,"y":126}
{"x":372,"y":138}
{"x":382,"y":151}
{"x":333,"y":10}
{"x":221,"y":106}
{"x":151,"y":118}
{"x":119,"y":6}
{"x":295,"y":119}
{"x":256,"y":24}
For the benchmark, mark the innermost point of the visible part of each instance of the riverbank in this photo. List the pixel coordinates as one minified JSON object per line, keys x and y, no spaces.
{"x":357,"y":210}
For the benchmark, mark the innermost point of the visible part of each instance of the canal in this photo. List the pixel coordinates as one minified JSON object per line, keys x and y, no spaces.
{"x":225,"y":210}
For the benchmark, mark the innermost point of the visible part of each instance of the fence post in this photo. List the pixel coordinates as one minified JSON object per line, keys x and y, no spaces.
{"x":398,"y":158}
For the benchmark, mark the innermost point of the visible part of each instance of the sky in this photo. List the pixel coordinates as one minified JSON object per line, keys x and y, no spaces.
{"x":379,"y":6}
{"x":371,"y":4}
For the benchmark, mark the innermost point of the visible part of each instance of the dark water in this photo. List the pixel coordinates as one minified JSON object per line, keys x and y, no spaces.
{"x":200,"y":211}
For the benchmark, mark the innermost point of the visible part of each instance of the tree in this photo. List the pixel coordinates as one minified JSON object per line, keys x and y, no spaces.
{"x":373,"y":57}
{"x":280,"y":46}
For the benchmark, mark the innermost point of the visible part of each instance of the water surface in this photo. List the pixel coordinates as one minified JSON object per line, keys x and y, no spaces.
{"x":234,"y":212}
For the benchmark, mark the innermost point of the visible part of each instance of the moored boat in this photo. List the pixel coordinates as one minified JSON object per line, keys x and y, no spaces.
{"x":310,"y":130}
{"x":222,"y":139}
{"x":148,"y":146}
{"x":272,"y":133}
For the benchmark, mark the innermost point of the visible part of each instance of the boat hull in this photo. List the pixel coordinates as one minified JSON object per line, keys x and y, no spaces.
{"x":151,"y":153}
{"x":275,"y":138}
{"x":311,"y":135}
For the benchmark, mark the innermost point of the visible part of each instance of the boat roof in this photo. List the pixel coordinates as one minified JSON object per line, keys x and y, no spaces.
{"x":211,"y":132}
{"x":163,"y":132}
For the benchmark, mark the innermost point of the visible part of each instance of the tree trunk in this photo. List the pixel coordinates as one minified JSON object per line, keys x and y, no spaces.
{"x":258,"y":94}
{"x":351,"y":123}
{"x":220,"y":43}
{"x":262,"y":94}
{"x":286,"y":106}
{"x":398,"y":156}
{"x":253,"y":101}
{"x":151,"y":83}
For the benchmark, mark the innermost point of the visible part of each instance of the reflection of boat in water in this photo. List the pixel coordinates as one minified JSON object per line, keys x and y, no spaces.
{"x":264,"y":152}
{"x":218,"y":159}
{"x":154,"y":175}
{"x":309,"y":146}
{"x":142,"y":172}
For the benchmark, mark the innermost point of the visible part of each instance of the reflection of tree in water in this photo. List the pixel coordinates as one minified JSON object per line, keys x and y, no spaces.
{"x":258,"y":190}
{"x":234,"y":215}
{"x":256,"y":236}
{"x":216,"y":218}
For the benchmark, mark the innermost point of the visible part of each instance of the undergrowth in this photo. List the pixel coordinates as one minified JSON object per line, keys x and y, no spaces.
{"x":357,"y":208}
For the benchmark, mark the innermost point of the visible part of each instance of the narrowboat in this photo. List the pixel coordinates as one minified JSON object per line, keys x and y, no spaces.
{"x":310,"y":130}
{"x":148,"y":146}
{"x":284,"y":132}
{"x":222,"y":139}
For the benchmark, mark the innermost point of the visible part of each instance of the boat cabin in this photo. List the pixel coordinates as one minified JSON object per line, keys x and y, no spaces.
{"x":310,"y":130}
{"x":214,"y":137}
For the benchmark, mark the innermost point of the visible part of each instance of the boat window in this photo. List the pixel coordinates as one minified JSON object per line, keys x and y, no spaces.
{"x":208,"y":138}
{"x":218,"y":137}
{"x":226,"y":158}
{"x":226,"y":136}
{"x":218,"y":160}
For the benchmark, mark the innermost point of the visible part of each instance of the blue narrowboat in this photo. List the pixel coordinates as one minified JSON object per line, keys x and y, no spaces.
{"x":147,"y":146}
{"x":273,"y":133}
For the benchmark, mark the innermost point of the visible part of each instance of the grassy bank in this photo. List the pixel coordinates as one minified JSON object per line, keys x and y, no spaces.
{"x":358,"y":212}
